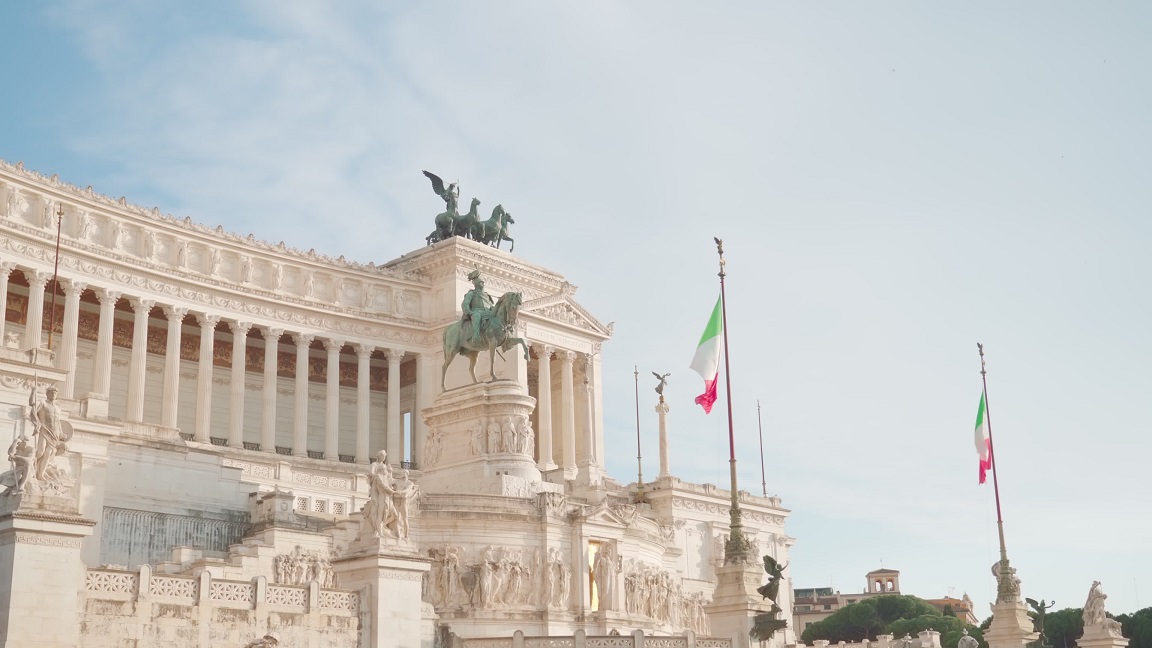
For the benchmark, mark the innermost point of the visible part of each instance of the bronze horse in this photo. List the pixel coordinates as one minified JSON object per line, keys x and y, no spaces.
{"x":494,"y":334}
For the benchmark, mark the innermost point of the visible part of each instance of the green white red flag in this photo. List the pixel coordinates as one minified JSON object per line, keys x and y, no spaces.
{"x":706,"y":362}
{"x":983,"y":442}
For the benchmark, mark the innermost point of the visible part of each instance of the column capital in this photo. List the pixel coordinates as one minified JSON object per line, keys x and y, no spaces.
{"x":394,"y":355}
{"x":139,"y":304}
{"x":108,"y":295}
{"x":566,"y":356}
{"x":7,"y":267}
{"x":544,"y":351}
{"x":207,"y":320}
{"x":240,"y":328}
{"x":333,"y":345}
{"x":72,"y":286}
{"x":36,"y":278}
{"x":303,"y":339}
{"x":271,"y":334}
{"x":175,"y":312}
{"x":364,"y":350}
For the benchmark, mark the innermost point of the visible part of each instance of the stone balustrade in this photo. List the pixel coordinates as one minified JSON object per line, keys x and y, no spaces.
{"x":140,"y":606}
{"x":636,"y":639}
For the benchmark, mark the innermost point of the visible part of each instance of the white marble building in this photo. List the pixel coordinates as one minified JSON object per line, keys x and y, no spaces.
{"x":225,"y":396}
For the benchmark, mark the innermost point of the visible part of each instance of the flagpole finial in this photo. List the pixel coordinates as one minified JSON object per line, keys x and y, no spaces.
{"x":720,"y":251}
{"x":980,"y":347}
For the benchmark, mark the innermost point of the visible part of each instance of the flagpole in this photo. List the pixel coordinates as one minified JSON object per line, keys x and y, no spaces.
{"x":55,"y":273}
{"x":992,"y":455}
{"x":639,"y":462}
{"x":760,"y":424}
{"x":737,"y":550}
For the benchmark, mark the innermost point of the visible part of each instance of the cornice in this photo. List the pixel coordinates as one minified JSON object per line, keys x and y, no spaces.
{"x":87,"y":197}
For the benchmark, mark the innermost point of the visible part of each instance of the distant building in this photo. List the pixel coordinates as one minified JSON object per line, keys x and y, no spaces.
{"x":814,"y":604}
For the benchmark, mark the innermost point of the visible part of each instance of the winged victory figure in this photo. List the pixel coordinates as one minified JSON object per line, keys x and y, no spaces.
{"x":446,"y":221}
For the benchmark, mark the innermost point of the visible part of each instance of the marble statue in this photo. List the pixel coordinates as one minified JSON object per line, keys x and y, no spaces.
{"x":1095,"y":616}
{"x":1007,"y":583}
{"x":380,"y":510}
{"x":477,"y":440}
{"x":604,"y":570}
{"x":405,"y":490}
{"x":482,"y":328}
{"x":51,"y":434}
{"x":967,"y":641}
{"x":23,"y":456}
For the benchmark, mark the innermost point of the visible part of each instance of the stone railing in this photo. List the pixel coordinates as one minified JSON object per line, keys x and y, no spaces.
{"x":923,"y":639}
{"x":636,"y":639}
{"x":115,"y":599}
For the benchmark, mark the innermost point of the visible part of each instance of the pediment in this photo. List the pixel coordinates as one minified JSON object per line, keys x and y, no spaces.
{"x":618,"y":515}
{"x":561,"y":308}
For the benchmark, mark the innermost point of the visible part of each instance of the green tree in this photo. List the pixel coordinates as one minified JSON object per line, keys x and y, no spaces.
{"x":866,"y":619}
{"x":1137,"y":627}
{"x":1063,"y":627}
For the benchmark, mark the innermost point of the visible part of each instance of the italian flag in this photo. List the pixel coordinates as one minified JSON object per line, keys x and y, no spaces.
{"x":983,"y":442}
{"x":706,"y":362}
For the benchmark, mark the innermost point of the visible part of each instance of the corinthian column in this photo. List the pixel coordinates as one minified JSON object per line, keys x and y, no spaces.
{"x":239,"y":360}
{"x":394,"y":422}
{"x":568,"y":413}
{"x":300,"y":419}
{"x":544,"y":407}
{"x":102,"y":376}
{"x":204,"y":376}
{"x":332,"y":401}
{"x":6,"y":268}
{"x":66,"y":359}
{"x":141,"y":307}
{"x":33,"y":330}
{"x":169,"y":406}
{"x":363,"y":400}
{"x":271,"y":373}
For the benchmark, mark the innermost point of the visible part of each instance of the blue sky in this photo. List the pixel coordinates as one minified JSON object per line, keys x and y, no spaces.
{"x":895,"y":182}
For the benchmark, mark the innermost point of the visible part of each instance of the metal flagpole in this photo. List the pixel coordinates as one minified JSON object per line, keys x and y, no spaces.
{"x":639,"y":464}
{"x":992,"y":455}
{"x":55,"y":271}
{"x":760,"y":424}
{"x":737,"y":550}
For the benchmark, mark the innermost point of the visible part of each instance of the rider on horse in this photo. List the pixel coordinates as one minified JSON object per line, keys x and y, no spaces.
{"x":477,"y":306}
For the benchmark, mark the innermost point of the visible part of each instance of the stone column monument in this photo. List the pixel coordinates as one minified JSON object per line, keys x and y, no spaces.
{"x":1011,"y":626}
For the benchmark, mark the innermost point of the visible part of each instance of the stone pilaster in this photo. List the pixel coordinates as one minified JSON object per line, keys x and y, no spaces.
{"x":388,"y":575}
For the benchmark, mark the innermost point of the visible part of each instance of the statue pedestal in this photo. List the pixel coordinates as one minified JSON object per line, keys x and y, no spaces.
{"x":1098,"y":636}
{"x":736,"y":603}
{"x":389,"y":574}
{"x":41,"y":570}
{"x":1011,"y":626}
{"x":481,"y":441}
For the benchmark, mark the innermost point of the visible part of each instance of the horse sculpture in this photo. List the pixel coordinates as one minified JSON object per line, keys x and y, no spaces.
{"x":494,"y":335}
{"x":493,"y":230}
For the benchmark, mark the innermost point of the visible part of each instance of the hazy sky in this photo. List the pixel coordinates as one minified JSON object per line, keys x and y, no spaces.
{"x":894,"y":182}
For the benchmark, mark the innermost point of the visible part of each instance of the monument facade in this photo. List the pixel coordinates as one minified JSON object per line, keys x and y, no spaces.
{"x":230,"y":441}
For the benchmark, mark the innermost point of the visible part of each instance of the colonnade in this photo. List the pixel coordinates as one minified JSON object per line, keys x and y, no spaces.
{"x":142,"y":308}
{"x":566,"y":426}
